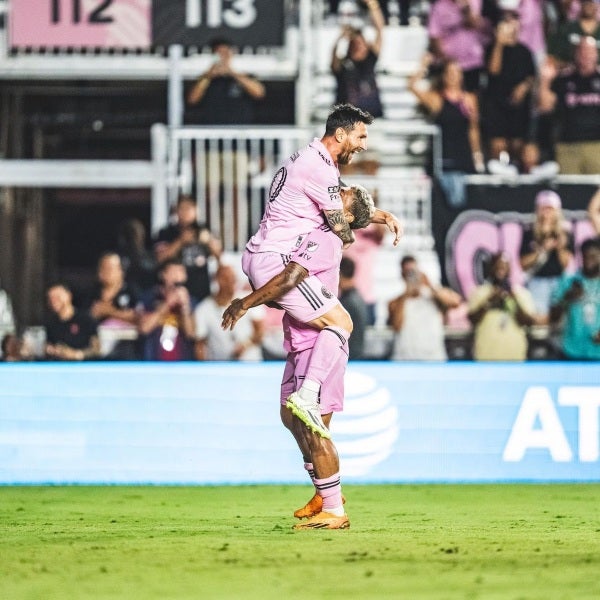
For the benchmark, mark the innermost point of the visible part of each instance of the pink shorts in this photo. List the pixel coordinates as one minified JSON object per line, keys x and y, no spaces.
{"x":332,"y":390}
{"x":311,"y":299}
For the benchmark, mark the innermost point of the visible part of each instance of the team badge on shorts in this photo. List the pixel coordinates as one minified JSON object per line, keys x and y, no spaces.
{"x":311,"y":246}
{"x":326,"y":293}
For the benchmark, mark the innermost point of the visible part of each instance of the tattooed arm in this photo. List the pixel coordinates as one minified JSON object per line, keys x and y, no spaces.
{"x":339,"y":225}
{"x":278,"y":286}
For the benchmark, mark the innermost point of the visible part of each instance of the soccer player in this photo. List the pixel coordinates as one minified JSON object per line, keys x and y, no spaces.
{"x":319,"y":254}
{"x":304,"y":191}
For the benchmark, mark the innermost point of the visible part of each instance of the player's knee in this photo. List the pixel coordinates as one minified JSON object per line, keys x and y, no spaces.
{"x":287,"y":417}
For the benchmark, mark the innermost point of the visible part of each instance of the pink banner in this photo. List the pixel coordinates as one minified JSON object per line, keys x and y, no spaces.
{"x":80,"y":23}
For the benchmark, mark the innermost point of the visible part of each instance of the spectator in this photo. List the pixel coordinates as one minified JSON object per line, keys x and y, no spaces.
{"x":562,"y":44}
{"x":456,"y":112}
{"x":224,"y":95}
{"x":546,"y":249}
{"x":71,"y":334}
{"x":363,"y":253}
{"x":417,"y":316}
{"x":353,"y":64}
{"x":577,"y":303}
{"x":193,"y":244}
{"x":353,"y":302}
{"x":594,"y":211}
{"x":574,"y":98}
{"x":215,"y":343}
{"x":11,"y":348}
{"x":113,"y":306}
{"x":531,"y":163}
{"x":500,"y":313}
{"x":7,"y":316}
{"x":458,"y":32}
{"x":136,"y":258}
{"x":167,"y":322}
{"x":507,"y":98}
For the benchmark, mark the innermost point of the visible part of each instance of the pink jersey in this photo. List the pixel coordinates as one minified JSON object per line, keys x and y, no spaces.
{"x":305,"y":186}
{"x":320,"y":254}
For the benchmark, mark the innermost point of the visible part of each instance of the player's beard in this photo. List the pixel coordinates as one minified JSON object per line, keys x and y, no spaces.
{"x":346,"y":156}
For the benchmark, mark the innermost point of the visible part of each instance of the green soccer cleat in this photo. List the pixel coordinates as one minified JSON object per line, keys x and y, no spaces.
{"x":309,"y":414}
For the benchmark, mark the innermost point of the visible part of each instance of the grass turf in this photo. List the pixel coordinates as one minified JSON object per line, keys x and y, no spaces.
{"x":406,"y":541}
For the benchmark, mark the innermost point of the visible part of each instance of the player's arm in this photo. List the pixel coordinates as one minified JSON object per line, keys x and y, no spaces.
{"x":336,"y":220}
{"x":384,"y":217}
{"x":277,"y":286}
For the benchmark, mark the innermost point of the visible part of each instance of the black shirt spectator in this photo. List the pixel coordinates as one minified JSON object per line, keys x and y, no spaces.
{"x":353,"y":302}
{"x":74,"y":332}
{"x":224,"y":96}
{"x":71,"y":334}
{"x":191,"y":243}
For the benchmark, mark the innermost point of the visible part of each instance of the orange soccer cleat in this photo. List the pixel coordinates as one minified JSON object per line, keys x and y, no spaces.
{"x":324,"y":520}
{"x":312,"y":507}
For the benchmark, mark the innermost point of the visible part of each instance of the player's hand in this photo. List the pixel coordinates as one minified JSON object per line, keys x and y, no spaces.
{"x":395,"y":227}
{"x":233,"y":313}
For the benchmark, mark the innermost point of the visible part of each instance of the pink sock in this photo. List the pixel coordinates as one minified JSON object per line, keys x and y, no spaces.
{"x":310,"y":470}
{"x":330,"y":489}
{"x":330,"y":348}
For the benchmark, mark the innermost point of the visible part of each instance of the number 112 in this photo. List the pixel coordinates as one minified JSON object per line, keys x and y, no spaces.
{"x":96,"y":15}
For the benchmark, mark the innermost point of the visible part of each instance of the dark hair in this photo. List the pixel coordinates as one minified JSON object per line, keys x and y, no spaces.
{"x":186,"y":198}
{"x":4,"y":344}
{"x":408,"y":258}
{"x":590,"y":244}
{"x":346,"y":116}
{"x":164,"y":266}
{"x":437,"y":73}
{"x":58,"y":283}
{"x":347,"y":267}
{"x":106,"y":255}
{"x":491,"y":262}
{"x":219,"y":41}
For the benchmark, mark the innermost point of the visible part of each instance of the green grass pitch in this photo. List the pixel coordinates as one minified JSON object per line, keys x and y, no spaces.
{"x":406,"y":541}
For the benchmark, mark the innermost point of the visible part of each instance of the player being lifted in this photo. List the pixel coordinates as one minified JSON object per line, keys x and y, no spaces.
{"x":304,"y":191}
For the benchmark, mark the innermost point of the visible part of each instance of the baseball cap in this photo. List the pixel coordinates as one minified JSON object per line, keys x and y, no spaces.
{"x":548,"y":198}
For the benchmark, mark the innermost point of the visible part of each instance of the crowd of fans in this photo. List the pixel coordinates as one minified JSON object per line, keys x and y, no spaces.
{"x":514,"y":86}
{"x":170,"y":310}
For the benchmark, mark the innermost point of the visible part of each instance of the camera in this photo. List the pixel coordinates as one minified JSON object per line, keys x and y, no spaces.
{"x":412,"y":276}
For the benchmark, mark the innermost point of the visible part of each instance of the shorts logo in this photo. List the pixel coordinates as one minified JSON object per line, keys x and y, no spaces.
{"x":277,"y":183}
{"x":326,"y":293}
{"x":333,"y":189}
{"x":311,"y":246}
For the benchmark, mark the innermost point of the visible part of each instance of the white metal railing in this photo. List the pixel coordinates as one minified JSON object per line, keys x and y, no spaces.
{"x":408,"y":196}
{"x":228,"y":172}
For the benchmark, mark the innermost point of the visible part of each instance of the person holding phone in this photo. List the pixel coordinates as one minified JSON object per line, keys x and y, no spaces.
{"x":417,"y":315}
{"x":501,"y":312}
{"x":576,"y":306}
